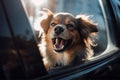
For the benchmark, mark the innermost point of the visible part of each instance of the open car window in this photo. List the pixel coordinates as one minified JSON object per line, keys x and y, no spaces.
{"x":93,"y":8}
{"x":33,"y":8}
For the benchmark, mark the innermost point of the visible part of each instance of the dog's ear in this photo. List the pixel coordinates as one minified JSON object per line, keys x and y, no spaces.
{"x":86,"y":28}
{"x":47,"y":16}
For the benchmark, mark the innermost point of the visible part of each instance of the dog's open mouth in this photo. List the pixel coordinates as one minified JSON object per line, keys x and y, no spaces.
{"x":60,"y":44}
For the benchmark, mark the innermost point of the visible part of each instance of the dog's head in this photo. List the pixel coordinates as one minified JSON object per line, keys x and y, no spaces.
{"x":65,"y":31}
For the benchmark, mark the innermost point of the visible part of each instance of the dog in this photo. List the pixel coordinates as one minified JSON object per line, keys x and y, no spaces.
{"x":65,"y":39}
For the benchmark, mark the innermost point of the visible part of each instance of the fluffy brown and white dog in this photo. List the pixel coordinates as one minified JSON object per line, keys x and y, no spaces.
{"x":66,"y":39}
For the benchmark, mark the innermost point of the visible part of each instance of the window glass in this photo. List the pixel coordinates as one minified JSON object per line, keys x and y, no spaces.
{"x":75,"y":7}
{"x":24,"y":40}
{"x":19,"y":55}
{"x":9,"y":60}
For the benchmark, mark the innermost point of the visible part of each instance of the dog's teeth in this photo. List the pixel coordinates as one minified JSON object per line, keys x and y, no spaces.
{"x":57,"y":41}
{"x":62,"y":43}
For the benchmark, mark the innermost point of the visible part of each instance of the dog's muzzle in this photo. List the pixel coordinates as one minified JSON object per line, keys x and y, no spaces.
{"x":60,"y":42}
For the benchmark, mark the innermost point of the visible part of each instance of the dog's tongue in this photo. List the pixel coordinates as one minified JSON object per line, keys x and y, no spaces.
{"x":59,"y":43}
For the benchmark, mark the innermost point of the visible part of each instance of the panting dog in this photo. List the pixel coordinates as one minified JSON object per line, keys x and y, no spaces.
{"x":66,"y":39}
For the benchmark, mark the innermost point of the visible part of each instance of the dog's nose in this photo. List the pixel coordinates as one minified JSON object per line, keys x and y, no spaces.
{"x":58,"y":30}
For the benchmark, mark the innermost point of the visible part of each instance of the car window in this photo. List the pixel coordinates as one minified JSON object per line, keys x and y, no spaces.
{"x":75,"y":7}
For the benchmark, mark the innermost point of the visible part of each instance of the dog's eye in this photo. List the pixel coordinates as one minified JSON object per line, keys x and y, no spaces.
{"x":53,"y":24}
{"x":69,"y":25}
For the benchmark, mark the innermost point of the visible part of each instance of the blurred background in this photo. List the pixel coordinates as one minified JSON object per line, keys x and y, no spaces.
{"x":75,"y":7}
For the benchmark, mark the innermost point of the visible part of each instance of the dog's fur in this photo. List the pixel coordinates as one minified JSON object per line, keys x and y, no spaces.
{"x":66,"y":39}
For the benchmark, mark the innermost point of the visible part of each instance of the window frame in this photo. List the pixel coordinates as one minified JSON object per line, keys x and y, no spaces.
{"x":115,"y":5}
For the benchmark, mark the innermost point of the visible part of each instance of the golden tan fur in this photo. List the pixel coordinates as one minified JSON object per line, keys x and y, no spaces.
{"x":54,"y":46}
